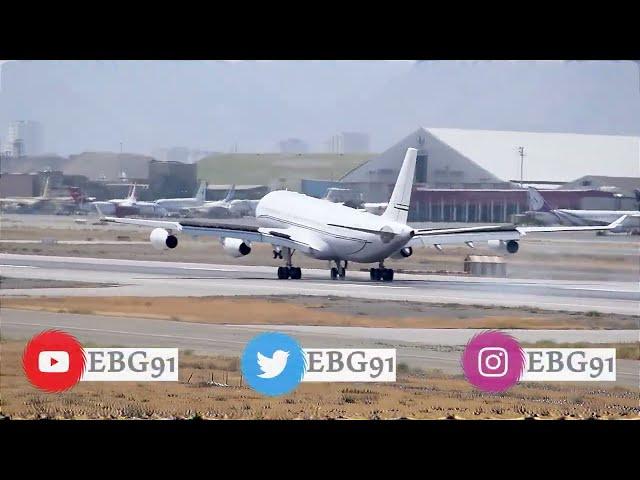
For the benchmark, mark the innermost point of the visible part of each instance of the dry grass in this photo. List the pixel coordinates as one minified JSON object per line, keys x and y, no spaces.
{"x":225,"y":310}
{"x":629,"y":351}
{"x":414,"y":395}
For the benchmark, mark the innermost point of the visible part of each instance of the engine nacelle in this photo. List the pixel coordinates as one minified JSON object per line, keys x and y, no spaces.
{"x":510,"y":246}
{"x":236,"y":247}
{"x":403,"y":253}
{"x":161,"y":239}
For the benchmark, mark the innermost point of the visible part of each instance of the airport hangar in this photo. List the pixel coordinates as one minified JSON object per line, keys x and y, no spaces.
{"x":473,"y":175}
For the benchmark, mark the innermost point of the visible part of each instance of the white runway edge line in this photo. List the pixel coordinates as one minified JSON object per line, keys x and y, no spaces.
{"x":123,"y":332}
{"x":19,"y":266}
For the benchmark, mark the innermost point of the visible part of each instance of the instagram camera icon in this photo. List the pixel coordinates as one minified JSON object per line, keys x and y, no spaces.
{"x":493,"y":362}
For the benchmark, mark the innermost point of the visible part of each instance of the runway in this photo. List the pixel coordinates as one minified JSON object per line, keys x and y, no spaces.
{"x":429,"y":349}
{"x":155,"y":278}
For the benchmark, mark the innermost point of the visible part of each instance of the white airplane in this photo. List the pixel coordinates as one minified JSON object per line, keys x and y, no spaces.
{"x":22,"y":202}
{"x":75,"y":199}
{"x":323,"y":230}
{"x":129,"y":206}
{"x":375,"y":208}
{"x":345,"y":196}
{"x":224,"y":207}
{"x":243,"y":207}
{"x":541,"y":210}
{"x":112,"y":206}
{"x":183,"y":204}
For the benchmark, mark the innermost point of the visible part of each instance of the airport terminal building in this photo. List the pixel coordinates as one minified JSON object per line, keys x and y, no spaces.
{"x":474,"y":175}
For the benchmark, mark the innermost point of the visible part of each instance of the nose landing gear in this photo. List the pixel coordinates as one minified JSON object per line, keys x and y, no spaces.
{"x":339,"y":272}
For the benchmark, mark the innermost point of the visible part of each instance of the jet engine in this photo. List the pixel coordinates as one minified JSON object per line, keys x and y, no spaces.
{"x":236,"y":247}
{"x":510,"y":246}
{"x":162,"y":240}
{"x":403,"y":253}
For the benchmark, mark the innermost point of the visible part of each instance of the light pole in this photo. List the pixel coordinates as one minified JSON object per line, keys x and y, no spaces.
{"x":521,"y":153}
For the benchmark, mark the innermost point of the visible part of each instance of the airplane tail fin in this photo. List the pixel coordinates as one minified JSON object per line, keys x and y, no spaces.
{"x":201,"y":194}
{"x":537,"y":203}
{"x":231,"y":193}
{"x":132,"y":195}
{"x":398,"y":207}
{"x":76,"y":194}
{"x":45,"y":189}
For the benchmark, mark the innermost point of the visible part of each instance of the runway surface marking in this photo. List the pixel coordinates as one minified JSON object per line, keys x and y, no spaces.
{"x":19,"y":266}
{"x":155,"y":278}
{"x":123,"y":332}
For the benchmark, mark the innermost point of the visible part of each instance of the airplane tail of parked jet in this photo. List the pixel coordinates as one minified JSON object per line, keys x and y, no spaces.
{"x":537,"y":203}
{"x":45,"y":190}
{"x":201,"y":194}
{"x":132,"y":193}
{"x":230,"y":194}
{"x":398,"y":208}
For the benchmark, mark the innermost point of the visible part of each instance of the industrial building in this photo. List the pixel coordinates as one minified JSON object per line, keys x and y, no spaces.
{"x":475,"y":175}
{"x":293,"y":145}
{"x":348,"y":142}
{"x":172,"y":179}
{"x":19,"y":185}
{"x":24,"y":137}
{"x":242,"y":192}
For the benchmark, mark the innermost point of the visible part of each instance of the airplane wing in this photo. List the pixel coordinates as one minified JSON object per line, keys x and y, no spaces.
{"x":20,"y":202}
{"x":611,"y":226}
{"x":440,"y":236}
{"x":278,"y":237}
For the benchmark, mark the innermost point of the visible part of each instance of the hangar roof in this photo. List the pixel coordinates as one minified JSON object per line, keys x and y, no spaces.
{"x":626,"y":185}
{"x":548,"y":156}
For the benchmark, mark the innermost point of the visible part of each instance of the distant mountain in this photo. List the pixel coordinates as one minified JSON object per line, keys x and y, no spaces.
{"x":95,"y":105}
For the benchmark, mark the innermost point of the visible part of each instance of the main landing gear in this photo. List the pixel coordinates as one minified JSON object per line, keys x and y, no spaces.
{"x":381,"y":273}
{"x":294,"y":273}
{"x":339,"y":272}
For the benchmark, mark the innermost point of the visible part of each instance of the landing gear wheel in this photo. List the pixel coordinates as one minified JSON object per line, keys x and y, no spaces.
{"x":342,"y":273}
{"x":283,"y":273}
{"x":334,"y":273}
{"x":384,"y":274}
{"x":295,"y":273}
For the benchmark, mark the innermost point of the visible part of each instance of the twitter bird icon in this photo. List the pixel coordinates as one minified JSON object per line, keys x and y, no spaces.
{"x":273,"y":363}
{"x":272,"y":367}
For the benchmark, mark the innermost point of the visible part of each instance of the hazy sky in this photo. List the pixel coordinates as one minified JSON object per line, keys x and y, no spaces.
{"x":251,"y":106}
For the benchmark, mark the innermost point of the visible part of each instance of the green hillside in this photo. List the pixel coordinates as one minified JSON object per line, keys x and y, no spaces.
{"x":276,"y":169}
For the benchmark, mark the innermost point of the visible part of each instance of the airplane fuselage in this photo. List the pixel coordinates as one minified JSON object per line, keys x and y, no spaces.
{"x":332,"y":230}
{"x":175,"y":204}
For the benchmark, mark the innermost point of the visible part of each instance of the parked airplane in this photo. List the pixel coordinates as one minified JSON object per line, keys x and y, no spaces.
{"x":323,"y":230}
{"x":216,"y":208}
{"x":46,"y":200}
{"x":346,"y":196}
{"x":129,"y":206}
{"x":542,"y":211}
{"x":183,"y":204}
{"x":118,"y":206}
{"x":243,"y":207}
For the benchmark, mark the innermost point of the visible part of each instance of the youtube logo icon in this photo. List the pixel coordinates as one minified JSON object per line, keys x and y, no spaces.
{"x":53,"y":362}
